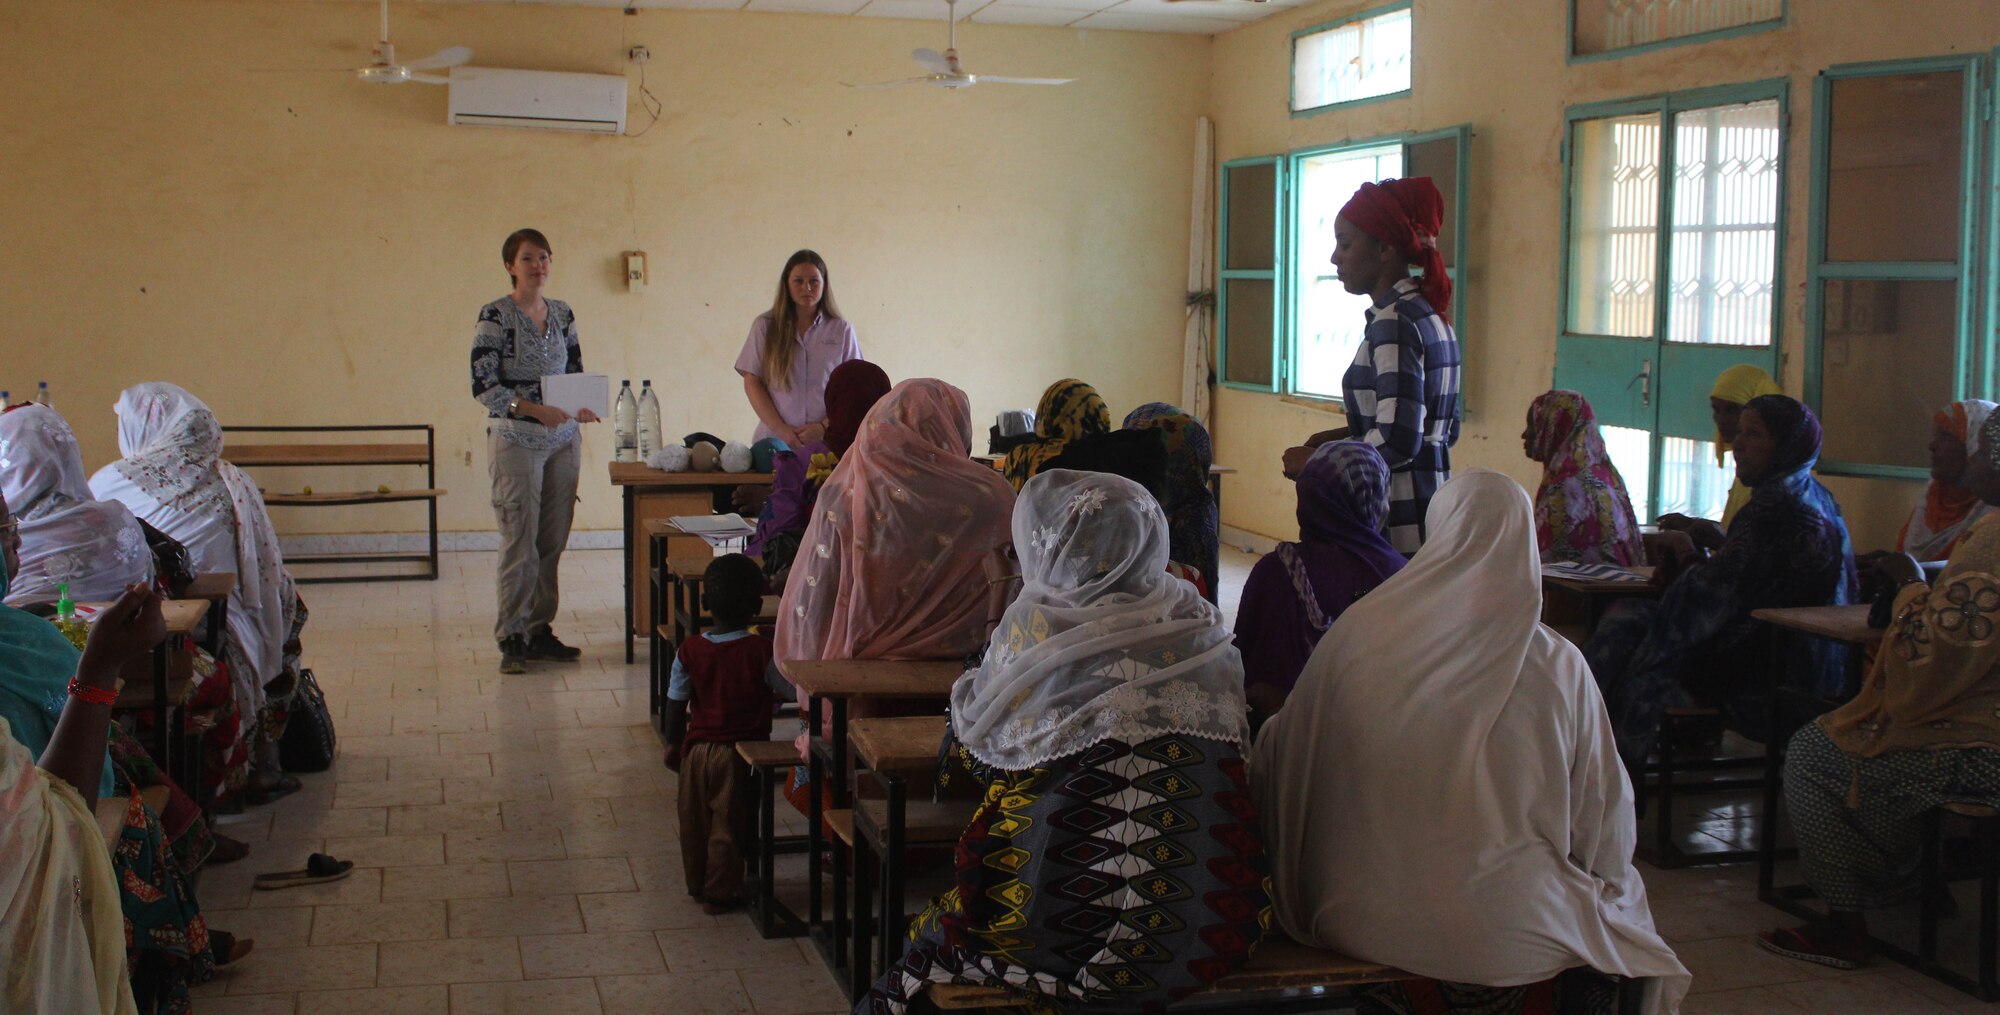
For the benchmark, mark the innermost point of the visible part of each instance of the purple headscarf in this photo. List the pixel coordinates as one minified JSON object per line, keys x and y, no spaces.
{"x":1294,"y":594}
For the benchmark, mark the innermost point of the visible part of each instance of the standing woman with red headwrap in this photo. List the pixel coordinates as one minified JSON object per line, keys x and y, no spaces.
{"x":1401,"y":393}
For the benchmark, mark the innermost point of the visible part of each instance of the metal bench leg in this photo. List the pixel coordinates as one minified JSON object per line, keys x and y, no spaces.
{"x":893,"y":858}
{"x":1667,"y":854}
{"x":1989,"y":905}
{"x":815,"y":801}
{"x":859,"y":948}
{"x":765,"y":893}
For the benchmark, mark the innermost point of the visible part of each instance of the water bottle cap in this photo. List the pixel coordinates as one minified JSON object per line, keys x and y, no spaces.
{"x":647,"y":382}
{"x":627,"y":383}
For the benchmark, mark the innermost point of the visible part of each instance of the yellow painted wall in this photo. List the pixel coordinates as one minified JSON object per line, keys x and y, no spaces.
{"x":298,"y":247}
{"x":1500,"y":67}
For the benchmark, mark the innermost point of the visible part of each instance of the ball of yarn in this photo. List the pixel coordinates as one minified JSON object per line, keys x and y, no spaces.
{"x":672,"y":458}
{"x":701,"y":457}
{"x":736,"y":457}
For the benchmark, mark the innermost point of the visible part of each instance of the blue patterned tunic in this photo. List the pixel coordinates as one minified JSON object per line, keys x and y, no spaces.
{"x":1401,"y":395}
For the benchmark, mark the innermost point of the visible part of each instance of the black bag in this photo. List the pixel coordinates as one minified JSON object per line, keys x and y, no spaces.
{"x":170,"y":560}
{"x":307,"y":745}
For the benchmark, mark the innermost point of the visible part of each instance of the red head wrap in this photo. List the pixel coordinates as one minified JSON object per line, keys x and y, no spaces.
{"x":1406,"y":215}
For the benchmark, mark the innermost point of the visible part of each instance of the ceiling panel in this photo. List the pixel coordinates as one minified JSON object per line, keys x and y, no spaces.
{"x":1197,"y":17}
{"x":1221,"y":10}
{"x":1112,"y":21}
{"x":919,"y":10}
{"x":1001,"y":12}
{"x":807,"y":6}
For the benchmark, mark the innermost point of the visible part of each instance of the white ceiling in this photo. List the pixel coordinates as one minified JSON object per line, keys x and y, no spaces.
{"x":1191,"y":17}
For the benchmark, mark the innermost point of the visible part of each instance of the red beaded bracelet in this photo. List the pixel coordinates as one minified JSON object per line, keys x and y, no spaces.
{"x":92,"y":695}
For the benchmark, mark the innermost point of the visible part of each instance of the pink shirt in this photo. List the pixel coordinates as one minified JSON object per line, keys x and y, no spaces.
{"x":827,"y":344}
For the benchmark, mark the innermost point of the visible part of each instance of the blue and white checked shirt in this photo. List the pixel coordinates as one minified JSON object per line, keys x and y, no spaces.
{"x":1401,"y":396}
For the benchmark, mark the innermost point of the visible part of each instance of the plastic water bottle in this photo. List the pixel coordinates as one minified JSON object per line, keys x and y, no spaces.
{"x":42,"y":395}
{"x":5,"y":404}
{"x":625,"y":422}
{"x":649,"y":421}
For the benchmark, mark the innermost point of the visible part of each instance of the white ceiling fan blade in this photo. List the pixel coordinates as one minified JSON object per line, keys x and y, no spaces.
{"x":995,"y":79}
{"x":442,"y":59}
{"x":926,"y":79}
{"x":429,"y":79}
{"x":932,"y":60}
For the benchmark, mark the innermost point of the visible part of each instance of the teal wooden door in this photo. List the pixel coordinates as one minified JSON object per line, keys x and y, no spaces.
{"x":1671,"y":258}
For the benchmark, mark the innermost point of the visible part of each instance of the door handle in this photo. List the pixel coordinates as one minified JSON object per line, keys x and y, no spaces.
{"x":1644,"y":379}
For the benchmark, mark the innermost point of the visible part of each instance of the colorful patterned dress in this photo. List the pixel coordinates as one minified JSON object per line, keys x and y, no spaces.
{"x":1120,"y":878}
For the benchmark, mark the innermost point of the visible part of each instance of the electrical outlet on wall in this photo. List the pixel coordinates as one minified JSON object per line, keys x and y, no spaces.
{"x":635,"y":271}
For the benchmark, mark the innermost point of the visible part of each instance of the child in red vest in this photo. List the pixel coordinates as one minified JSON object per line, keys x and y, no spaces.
{"x":721,"y":692}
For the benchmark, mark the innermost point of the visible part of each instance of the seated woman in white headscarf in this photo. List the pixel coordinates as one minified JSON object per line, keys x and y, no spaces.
{"x":68,"y":537}
{"x":1115,"y":864}
{"x":172,"y":475}
{"x":1449,"y":801}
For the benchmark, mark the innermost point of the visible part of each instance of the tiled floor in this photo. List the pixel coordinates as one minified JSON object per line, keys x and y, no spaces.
{"x":516,"y":848}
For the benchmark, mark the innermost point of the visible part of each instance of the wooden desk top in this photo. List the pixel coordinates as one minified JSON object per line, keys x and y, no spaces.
{"x":874,"y":678}
{"x":641,"y":474}
{"x":326,"y":454}
{"x":690,"y":567}
{"x":897,"y":745}
{"x":998,"y":460}
{"x":211,"y":585}
{"x":1841,"y":623}
{"x":1591,"y":587}
{"x":182,"y":615}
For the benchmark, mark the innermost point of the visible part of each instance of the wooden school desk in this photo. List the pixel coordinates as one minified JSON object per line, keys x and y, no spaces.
{"x":652,"y":493}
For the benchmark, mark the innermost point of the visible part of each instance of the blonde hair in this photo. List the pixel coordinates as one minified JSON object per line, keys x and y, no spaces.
{"x":782,"y":326}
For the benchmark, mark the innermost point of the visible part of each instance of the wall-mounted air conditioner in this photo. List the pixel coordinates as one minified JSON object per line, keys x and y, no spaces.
{"x":537,"y":99}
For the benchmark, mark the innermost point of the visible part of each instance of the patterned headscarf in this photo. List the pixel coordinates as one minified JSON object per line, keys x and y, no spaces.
{"x":1070,"y":410}
{"x":1738,"y":384}
{"x":1101,"y":642}
{"x":1582,"y":511}
{"x":1192,"y":520}
{"x":1407,"y":215}
{"x":1949,"y":510}
{"x":1343,"y":500}
{"x":68,"y":537}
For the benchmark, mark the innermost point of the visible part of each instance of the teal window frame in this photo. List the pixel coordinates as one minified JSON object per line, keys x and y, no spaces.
{"x":1292,"y":59}
{"x":1669,"y":104}
{"x":1973,"y":373}
{"x":1782,"y":21}
{"x":1274,"y":274}
{"x":1461,"y":194}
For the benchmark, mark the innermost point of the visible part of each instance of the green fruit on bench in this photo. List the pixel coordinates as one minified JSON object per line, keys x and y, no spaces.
{"x":384,"y":488}
{"x":308,"y":491}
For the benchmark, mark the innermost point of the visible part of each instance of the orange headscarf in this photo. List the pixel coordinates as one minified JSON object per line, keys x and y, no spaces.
{"x":1943,"y":521}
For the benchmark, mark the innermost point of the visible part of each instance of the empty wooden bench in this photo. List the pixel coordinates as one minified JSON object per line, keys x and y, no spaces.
{"x":769,"y":760}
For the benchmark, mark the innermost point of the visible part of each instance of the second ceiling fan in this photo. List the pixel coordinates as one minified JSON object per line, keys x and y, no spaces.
{"x":946,"y":71}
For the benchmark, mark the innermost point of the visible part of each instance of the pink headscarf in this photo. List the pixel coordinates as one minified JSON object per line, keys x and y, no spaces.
{"x":893,"y":563}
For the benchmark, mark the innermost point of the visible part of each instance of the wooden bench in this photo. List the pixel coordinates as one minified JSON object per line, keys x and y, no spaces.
{"x":1985,"y":823}
{"x":367,"y":455}
{"x":1278,"y":964}
{"x":884,"y":831}
{"x":768,"y":760}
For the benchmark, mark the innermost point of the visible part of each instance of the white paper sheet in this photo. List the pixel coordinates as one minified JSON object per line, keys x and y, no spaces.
{"x":574,"y":392}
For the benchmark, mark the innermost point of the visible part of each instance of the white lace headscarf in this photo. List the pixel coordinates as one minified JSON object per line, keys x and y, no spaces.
{"x":1102,"y":642}
{"x":68,"y":537}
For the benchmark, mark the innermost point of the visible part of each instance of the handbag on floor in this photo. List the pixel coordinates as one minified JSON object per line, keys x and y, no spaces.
{"x":307,"y":745}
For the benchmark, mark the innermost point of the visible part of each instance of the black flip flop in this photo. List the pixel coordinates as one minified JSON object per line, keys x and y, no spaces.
{"x":319,"y":870}
{"x":1792,"y":944}
{"x":286,"y":786}
{"x":222,"y":946}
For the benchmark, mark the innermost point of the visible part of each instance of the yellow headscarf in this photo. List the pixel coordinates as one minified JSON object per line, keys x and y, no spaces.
{"x":1739,"y":384}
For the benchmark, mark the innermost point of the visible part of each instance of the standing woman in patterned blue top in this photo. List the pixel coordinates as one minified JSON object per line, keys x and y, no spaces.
{"x":1401,"y":393}
{"x":532,"y":449}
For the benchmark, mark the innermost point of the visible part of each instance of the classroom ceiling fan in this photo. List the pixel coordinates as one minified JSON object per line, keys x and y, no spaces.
{"x":945,"y":70}
{"x":386,"y":71}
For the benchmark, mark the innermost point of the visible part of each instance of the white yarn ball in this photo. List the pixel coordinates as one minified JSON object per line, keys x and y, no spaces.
{"x":736,"y":457}
{"x":672,"y":458}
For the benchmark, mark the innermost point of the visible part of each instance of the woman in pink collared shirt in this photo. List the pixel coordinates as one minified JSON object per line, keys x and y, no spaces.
{"x":786,"y":380}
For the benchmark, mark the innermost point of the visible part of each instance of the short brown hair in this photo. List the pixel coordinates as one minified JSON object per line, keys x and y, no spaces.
{"x":513,"y":246}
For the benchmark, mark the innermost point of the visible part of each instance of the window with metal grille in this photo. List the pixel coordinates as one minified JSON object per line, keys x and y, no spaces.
{"x":1366,"y":56}
{"x":1612,"y":26}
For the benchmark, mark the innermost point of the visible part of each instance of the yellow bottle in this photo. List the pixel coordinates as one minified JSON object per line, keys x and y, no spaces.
{"x":67,"y":621}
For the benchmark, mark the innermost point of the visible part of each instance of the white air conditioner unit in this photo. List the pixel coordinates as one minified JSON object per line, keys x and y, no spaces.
{"x":537,"y":99}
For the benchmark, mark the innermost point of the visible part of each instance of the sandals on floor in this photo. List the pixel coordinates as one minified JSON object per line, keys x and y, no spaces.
{"x":227,"y":948}
{"x":284,"y":787}
{"x":319,"y":870}
{"x":227,"y":850}
{"x":1792,"y":944}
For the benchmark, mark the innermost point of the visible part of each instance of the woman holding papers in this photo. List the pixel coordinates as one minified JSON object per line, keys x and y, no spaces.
{"x":532,"y":448}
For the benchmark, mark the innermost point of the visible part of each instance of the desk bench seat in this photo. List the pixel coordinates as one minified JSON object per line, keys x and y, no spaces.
{"x":768,"y":753}
{"x":1278,"y":964}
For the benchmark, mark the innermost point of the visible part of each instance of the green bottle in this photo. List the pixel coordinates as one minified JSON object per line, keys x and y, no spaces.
{"x":72,"y":628}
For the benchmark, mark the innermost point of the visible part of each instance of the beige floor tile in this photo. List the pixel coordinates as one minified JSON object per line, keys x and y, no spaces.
{"x":793,"y":990}
{"x":654,"y":811}
{"x":1729,"y":963}
{"x":1865,"y":993}
{"x":270,"y":928}
{"x":448,"y":881}
{"x":457,"y":720}
{"x":534,"y":997}
{"x":320,"y":967}
{"x":582,"y":739}
{"x":571,"y":877}
{"x":389,"y":794}
{"x":350,"y":768}
{"x":611,"y":954}
{"x":496,"y":789}
{"x":630,"y":782}
{"x":659,"y":873}
{"x":518,"y":915}
{"x":337,"y":822}
{"x":254,"y":1004}
{"x":712,"y":993}
{"x":583,"y":842}
{"x":484,"y":847}
{"x":444,"y":818}
{"x":443,"y":766}
{"x":457,"y":960}
{"x":381,"y":921}
{"x":726,"y":946}
{"x":484,"y":743}
{"x":359,"y":886}
{"x":390,"y":850}
{"x":668,"y":910}
{"x":394,"y":746}
{"x":561,"y":813}
{"x":620,"y":759}
{"x":613,"y":717}
{"x":538,"y":762}
{"x":432,"y":1000}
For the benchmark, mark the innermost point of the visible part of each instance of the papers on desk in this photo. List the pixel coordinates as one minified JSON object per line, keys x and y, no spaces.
{"x":1592,"y":573}
{"x":716,"y":530}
